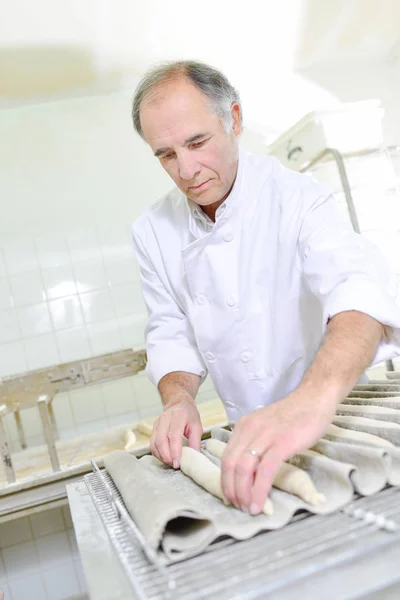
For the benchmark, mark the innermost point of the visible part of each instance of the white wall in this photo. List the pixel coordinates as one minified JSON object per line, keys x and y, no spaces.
{"x":39,"y":558}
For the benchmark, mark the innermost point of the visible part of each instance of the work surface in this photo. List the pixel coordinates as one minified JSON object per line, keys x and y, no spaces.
{"x":355,"y":558}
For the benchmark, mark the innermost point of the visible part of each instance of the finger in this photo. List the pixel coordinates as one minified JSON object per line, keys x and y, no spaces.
{"x":153,"y":440}
{"x":175,"y":435}
{"x":193,"y":433}
{"x":237,"y":445}
{"x":161,"y":440}
{"x":245,"y":470}
{"x":267,"y":468}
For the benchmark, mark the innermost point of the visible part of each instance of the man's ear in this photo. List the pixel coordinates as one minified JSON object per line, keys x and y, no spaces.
{"x":236,"y":116}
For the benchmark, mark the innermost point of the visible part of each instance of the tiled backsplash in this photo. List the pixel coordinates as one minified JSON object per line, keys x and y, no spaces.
{"x":96,"y":408}
{"x":39,"y":558}
{"x":68,"y":298}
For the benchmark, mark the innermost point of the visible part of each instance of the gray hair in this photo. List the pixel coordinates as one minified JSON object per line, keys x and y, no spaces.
{"x":211,"y":82}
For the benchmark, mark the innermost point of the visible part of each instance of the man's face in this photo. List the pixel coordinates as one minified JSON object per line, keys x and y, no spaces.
{"x":190,"y":141}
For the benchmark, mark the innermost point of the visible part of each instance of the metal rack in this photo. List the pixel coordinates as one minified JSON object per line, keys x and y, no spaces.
{"x":290,"y":563}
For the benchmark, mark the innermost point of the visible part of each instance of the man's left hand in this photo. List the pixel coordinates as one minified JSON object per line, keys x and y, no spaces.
{"x":263,"y":439}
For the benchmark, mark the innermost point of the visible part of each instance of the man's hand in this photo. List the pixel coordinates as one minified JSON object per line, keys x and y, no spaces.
{"x":180,"y":418}
{"x":294,"y":423}
{"x":275,"y":433}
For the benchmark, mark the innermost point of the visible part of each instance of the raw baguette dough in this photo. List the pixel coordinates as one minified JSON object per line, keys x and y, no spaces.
{"x":145,"y":428}
{"x":289,"y":478}
{"x":130,"y":439}
{"x":357,"y":436}
{"x":206,"y":474}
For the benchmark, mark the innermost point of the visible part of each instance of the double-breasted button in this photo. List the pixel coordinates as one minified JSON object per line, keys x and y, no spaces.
{"x":246,"y":356}
{"x":232,"y":300}
{"x":228,"y":237}
{"x":201,"y":299}
{"x":210,"y":356}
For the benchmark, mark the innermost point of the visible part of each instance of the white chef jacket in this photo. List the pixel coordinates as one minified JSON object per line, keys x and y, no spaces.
{"x":247,"y":298}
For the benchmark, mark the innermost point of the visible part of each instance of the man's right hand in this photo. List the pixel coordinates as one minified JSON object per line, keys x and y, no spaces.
{"x":180,"y":418}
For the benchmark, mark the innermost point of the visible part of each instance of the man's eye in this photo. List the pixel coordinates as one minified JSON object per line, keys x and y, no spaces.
{"x":167,"y":156}
{"x":198,"y":144}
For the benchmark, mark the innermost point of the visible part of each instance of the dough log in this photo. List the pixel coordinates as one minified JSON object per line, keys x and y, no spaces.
{"x":206,"y":474}
{"x":130,"y":439}
{"x":289,"y":478}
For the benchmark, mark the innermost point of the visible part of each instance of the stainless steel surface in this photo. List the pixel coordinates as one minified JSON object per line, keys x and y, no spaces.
{"x":48,"y":431}
{"x":346,"y":548}
{"x":4,"y":449}
{"x":38,"y":388}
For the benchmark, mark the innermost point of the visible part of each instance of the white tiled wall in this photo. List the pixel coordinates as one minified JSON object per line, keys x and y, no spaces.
{"x":62,"y":300}
{"x":39,"y":558}
{"x":96,"y":408}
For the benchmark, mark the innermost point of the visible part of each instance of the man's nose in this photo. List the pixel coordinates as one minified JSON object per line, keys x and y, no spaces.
{"x":188,"y":167}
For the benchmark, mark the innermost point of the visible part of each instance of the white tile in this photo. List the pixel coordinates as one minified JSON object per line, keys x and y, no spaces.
{"x":104,"y":337}
{"x":92,"y":427}
{"x":67,"y":517}
{"x":62,"y":411}
{"x":68,"y":433}
{"x":132,"y":330}
{"x":121,"y":270}
{"x":41,"y":351}
{"x":35,"y":440}
{"x":12,"y":359}
{"x":31,"y":422}
{"x":90,"y":275}
{"x":84,"y":245}
{"x":27,"y":288}
{"x":9,"y":329}
{"x":52,"y":251}
{"x":27,"y":588}
{"x":34,"y":319}
{"x":61,"y":582}
{"x":145,"y":392}
{"x":128,"y":299}
{"x":20,"y":257}
{"x":59,"y":281}
{"x":3,"y":270}
{"x":73,"y":546}
{"x":97,"y":306}
{"x":47,"y":521}
{"x":20,"y":559}
{"x":53,"y":549}
{"x":87,"y":404}
{"x":116,"y":240}
{"x":118,"y":397}
{"x":81,"y":576}
{"x":6,"y":298}
{"x":15,"y":532}
{"x":73,"y":344}
{"x":11,"y":429}
{"x":124,"y":419}
{"x":149,"y":410}
{"x":66,"y":312}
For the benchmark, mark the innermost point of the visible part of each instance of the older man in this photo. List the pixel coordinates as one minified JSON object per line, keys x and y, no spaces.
{"x":249,"y":273}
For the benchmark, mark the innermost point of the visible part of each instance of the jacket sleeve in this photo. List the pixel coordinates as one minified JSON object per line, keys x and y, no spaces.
{"x":345,"y":271}
{"x":170,"y":342}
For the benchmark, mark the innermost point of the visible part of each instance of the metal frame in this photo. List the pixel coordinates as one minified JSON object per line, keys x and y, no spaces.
{"x":308,"y":551}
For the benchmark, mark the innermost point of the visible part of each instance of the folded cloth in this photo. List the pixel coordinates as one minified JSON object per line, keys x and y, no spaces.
{"x":166,"y":518}
{"x":180,"y":519}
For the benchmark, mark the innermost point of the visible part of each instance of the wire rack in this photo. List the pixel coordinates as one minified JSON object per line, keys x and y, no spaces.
{"x":261,"y":567}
